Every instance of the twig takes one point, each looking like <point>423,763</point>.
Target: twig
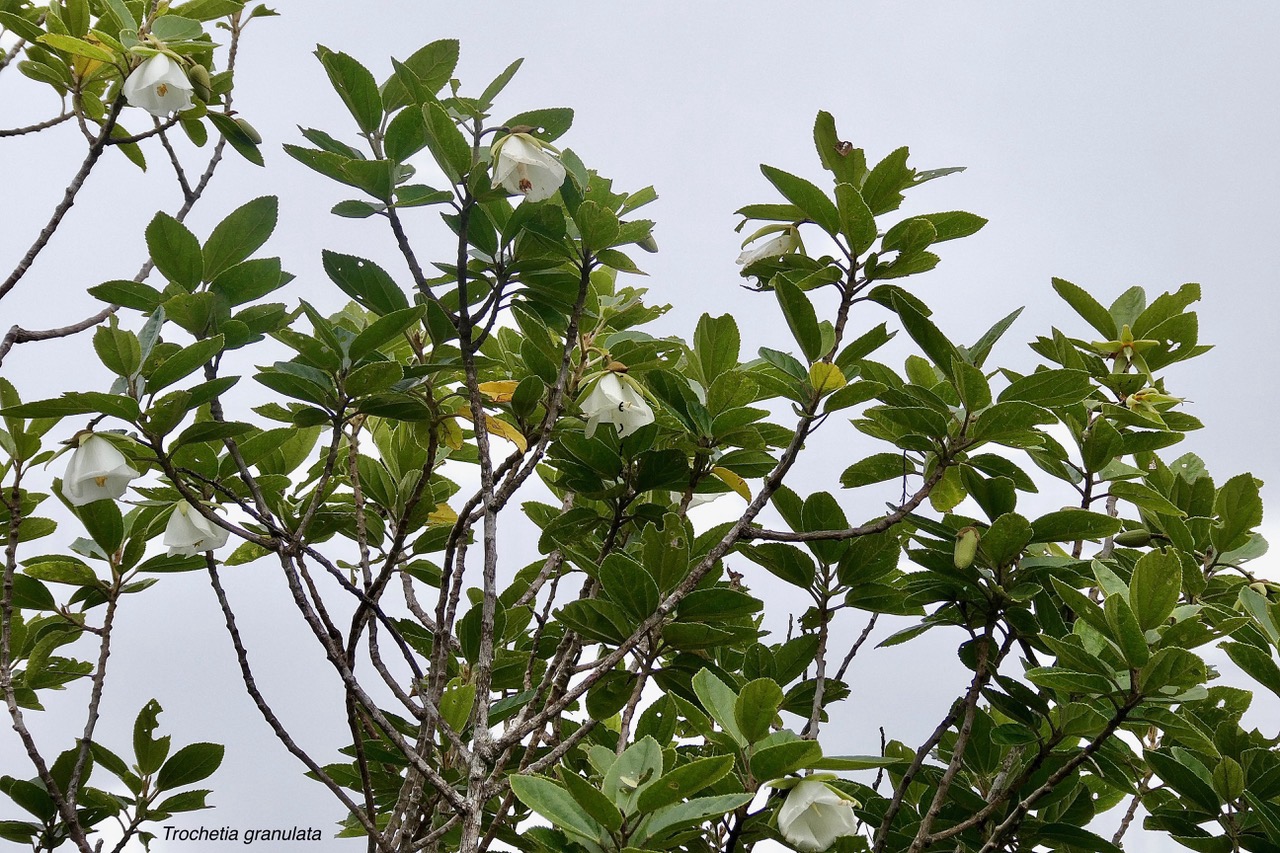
<point>38,126</point>
<point>857,644</point>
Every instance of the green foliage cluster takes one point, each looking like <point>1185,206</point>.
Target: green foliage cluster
<point>614,686</point>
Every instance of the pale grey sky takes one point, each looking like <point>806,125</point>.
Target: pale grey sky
<point>1109,144</point>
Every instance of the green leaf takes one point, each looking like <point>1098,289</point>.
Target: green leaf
<point>1257,606</point>
<point>448,147</point>
<point>1011,422</point>
<point>62,570</point>
<point>851,395</point>
<point>756,708</point>
<point>355,85</point>
<point>149,751</point>
<point>720,702</point>
<point>1126,631</point>
<point>188,765</point>
<point>551,800</point>
<point>1155,587</point>
<point>384,330</point>
<point>240,234</point>
<point>884,185</point>
<point>1069,836</point>
<point>856,222</point>
<point>941,351</point>
<point>597,225</point>
<point>909,237</point>
<point>250,280</point>
<point>77,47</point>
<point>365,282</point>
<point>785,561</point>
<point>1088,308</point>
<point>1050,388</point>
<point>638,765</point>
<point>1184,780</point>
<point>406,135</point>
<point>104,523</point>
<point>548,124</point>
<point>801,318</point>
<point>1239,509</point>
<point>689,813</point>
<point>954,224</point>
<point>597,805</point>
<point>499,83</point>
<point>779,759</point>
<point>78,403</point>
<point>1256,663</point>
<point>684,781</point>
<point>876,468</point>
<point>128,294</point>
<point>118,349</point>
<point>30,594</point>
<point>971,385</point>
<point>1071,525</point>
<point>211,431</point>
<point>431,67</point>
<point>1069,682</point>
<point>1006,538</point>
<point>175,251</point>
<point>1146,497</point>
<point>716,345</point>
<point>123,15</point>
<point>173,28</point>
<point>807,197</point>
<point>183,363</point>
<point>236,137</point>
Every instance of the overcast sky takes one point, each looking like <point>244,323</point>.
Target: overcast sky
<point>1108,144</point>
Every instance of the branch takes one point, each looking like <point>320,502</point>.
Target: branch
<point>980,678</point>
<point>251,687</point>
<point>1020,811</point>
<point>68,199</point>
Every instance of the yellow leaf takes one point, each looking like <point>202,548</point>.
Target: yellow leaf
<point>825,378</point>
<point>502,429</point>
<point>499,391</point>
<point>451,434</point>
<point>442,514</point>
<point>733,481</point>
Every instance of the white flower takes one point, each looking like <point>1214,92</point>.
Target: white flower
<point>785,243</point>
<point>814,816</point>
<point>159,86</point>
<point>613,402</point>
<point>522,165</point>
<point>189,533</point>
<point>97,471</point>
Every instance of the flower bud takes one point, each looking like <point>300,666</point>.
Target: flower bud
<point>200,83</point>
<point>966,548</point>
<point>1133,538</point>
<point>250,131</point>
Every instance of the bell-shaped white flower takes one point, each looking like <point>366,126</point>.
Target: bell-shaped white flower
<point>786,242</point>
<point>522,165</point>
<point>813,816</point>
<point>159,86</point>
<point>97,471</point>
<point>614,401</point>
<point>189,533</point>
